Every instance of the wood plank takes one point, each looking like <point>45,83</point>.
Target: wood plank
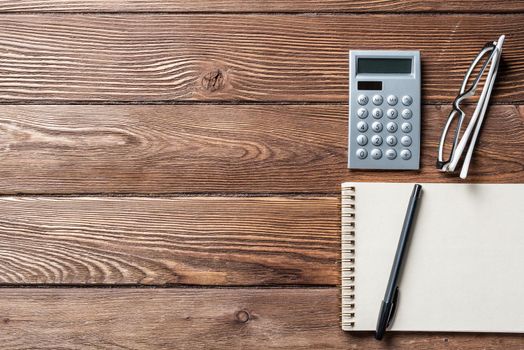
<point>201,319</point>
<point>238,57</point>
<point>219,148</point>
<point>476,6</point>
<point>160,241</point>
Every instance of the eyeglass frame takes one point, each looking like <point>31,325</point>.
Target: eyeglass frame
<point>463,94</point>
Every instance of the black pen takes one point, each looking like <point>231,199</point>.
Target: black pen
<point>389,304</point>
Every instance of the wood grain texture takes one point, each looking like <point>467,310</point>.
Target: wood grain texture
<point>261,6</point>
<point>202,319</point>
<point>159,241</point>
<point>238,57</point>
<point>216,149</point>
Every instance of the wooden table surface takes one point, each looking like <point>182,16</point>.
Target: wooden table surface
<point>170,170</point>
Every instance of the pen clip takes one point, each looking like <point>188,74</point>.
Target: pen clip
<point>393,307</point>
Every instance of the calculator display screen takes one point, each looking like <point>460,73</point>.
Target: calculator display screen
<point>384,65</point>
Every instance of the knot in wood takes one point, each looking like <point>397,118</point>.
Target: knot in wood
<point>242,316</point>
<point>213,81</point>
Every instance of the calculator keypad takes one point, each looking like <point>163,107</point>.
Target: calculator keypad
<point>379,137</point>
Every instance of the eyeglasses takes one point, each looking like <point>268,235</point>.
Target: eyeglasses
<point>489,55</point>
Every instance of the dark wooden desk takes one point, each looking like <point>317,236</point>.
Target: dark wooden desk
<point>170,170</point>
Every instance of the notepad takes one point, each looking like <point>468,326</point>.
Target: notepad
<point>464,269</point>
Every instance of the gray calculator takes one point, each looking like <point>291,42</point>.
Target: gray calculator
<point>384,110</point>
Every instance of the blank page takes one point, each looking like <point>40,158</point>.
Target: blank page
<point>464,269</point>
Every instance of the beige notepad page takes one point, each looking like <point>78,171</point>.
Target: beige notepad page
<point>464,270</point>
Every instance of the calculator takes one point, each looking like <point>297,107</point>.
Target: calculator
<point>384,110</point>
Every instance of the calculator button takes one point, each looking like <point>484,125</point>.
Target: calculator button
<point>362,126</point>
<point>392,113</point>
<point>362,153</point>
<point>376,113</point>
<point>362,113</point>
<point>406,113</point>
<point>391,140</point>
<point>407,100</point>
<point>362,140</point>
<point>405,154</point>
<point>377,100</point>
<point>392,100</point>
<point>391,127</point>
<point>362,100</point>
<point>405,141</point>
<point>406,127</point>
<point>376,140</point>
<point>376,153</point>
<point>376,126</point>
<point>391,154</point>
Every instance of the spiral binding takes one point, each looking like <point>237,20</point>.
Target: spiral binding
<point>348,257</point>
